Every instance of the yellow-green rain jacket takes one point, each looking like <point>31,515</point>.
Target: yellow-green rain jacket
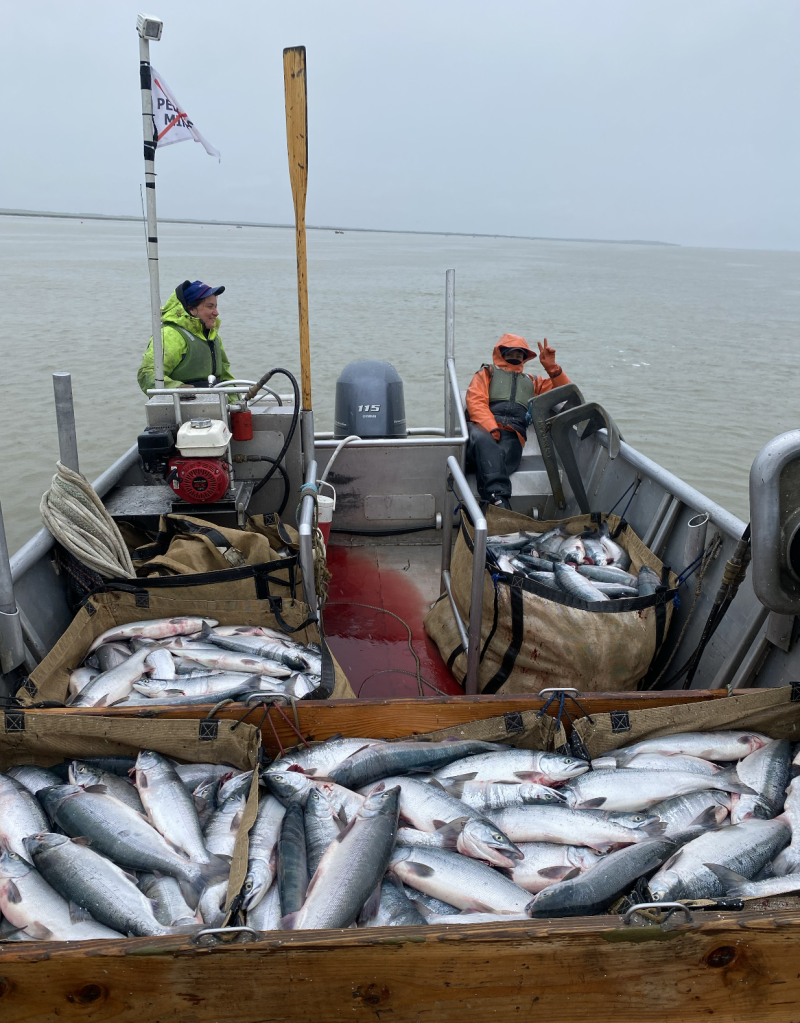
<point>189,357</point>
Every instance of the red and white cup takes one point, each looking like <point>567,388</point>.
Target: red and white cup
<point>325,509</point>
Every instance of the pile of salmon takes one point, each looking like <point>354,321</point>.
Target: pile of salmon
<point>185,661</point>
<point>589,566</point>
<point>113,847</point>
<point>356,832</point>
<point>397,833</point>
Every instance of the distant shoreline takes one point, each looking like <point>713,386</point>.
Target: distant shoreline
<point>320,227</point>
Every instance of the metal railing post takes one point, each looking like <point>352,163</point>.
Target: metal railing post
<point>306,531</point>
<point>12,647</point>
<point>65,421</point>
<point>478,573</point>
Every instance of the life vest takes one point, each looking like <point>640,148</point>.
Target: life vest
<point>203,357</point>
<point>509,394</point>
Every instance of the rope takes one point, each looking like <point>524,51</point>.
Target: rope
<point>76,517</point>
<point>382,610</point>
<point>635,483</point>
<point>322,575</point>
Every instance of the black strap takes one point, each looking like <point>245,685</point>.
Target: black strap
<point>621,525</point>
<point>452,658</point>
<point>514,647</point>
<point>325,689</point>
<point>493,629</point>
<point>663,596</point>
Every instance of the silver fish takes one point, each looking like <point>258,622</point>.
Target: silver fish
<point>170,807</point>
<point>738,887</point>
<point>529,561</point>
<point>628,790</point>
<point>110,655</point>
<point>33,778</point>
<point>595,889</point>
<point>608,574</point>
<point>492,795</point>
<point>226,660</point>
<point>162,663</point>
<point>95,884</point>
<point>615,591</point>
<point>516,765</point>
<point>289,786</point>
<point>439,839</point>
<point>171,909</point>
<point>505,565</point>
<point>87,775</point>
<point>577,585</point>
<point>428,807</point>
<point>156,628</point>
<point>222,829</point>
<point>28,902</point>
<point>392,909</point>
<point>80,677</point>
<point>376,762</point>
<point>193,775</point>
<point>572,550</point>
<point>545,578</point>
<point>322,826</point>
<point>559,824</point>
<point>545,863</point>
<point>458,880</point>
<point>617,557</point>
<point>266,914</point>
<point>698,809</point>
<point>205,800</point>
<point>659,762</point>
<point>766,771</point>
<point>255,646</point>
<point>426,904</point>
<point>445,920</point>
<point>595,550</point>
<point>110,686</point>
<point>211,906</point>
<point>353,865</point>
<point>322,756</point>
<point>730,745</point>
<point>120,833</point>
<point>262,851</point>
<point>648,581</point>
<point>788,861</point>
<point>744,848</point>
<point>20,815</point>
<point>238,782</point>
<point>510,541</point>
<point>292,873</point>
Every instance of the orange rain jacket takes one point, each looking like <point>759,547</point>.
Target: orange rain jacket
<point>478,390</point>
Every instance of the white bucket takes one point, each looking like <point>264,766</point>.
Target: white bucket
<point>325,509</point>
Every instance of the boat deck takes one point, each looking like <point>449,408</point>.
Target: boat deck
<point>374,575</point>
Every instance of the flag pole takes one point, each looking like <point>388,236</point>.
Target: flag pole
<point>150,28</point>
<point>294,79</point>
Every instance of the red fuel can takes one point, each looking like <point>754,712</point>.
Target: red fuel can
<point>242,425</point>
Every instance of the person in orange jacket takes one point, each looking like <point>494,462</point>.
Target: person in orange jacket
<point>497,404</point>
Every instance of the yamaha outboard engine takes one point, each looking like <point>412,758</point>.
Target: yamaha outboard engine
<point>369,401</point>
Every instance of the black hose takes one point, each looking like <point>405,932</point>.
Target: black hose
<point>384,532</point>
<point>295,415</point>
<point>281,470</point>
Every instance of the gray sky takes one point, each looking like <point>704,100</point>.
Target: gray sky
<point>655,119</point>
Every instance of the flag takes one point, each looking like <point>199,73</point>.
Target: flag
<point>171,120</point>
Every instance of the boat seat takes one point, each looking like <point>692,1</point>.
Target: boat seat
<point>530,484</point>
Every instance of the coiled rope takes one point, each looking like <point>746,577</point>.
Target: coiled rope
<point>78,520</point>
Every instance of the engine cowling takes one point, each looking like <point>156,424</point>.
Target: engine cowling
<point>199,480</point>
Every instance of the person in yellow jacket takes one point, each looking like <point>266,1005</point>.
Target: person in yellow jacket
<point>192,347</point>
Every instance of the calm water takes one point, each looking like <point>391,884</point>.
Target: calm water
<point>693,351</point>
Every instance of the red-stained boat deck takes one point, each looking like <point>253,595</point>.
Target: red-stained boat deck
<point>371,646</point>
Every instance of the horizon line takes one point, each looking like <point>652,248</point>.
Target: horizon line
<point>323,227</point>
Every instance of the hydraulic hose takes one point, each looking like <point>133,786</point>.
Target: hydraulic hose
<point>295,416</point>
<point>280,468</point>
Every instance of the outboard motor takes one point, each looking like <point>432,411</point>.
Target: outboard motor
<point>369,401</point>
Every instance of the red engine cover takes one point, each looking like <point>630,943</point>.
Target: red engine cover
<point>199,480</point>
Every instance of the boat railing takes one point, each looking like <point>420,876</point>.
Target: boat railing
<point>471,636</point>
<point>305,529</point>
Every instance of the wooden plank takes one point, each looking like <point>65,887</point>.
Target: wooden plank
<point>390,719</point>
<point>544,970</point>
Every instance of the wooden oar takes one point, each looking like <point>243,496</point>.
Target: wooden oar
<point>294,79</point>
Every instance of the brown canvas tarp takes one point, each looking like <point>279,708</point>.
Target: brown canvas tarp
<point>775,712</point>
<point>532,640</point>
<point>50,680</point>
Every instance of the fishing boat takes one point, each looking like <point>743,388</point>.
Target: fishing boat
<point>401,495</point>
